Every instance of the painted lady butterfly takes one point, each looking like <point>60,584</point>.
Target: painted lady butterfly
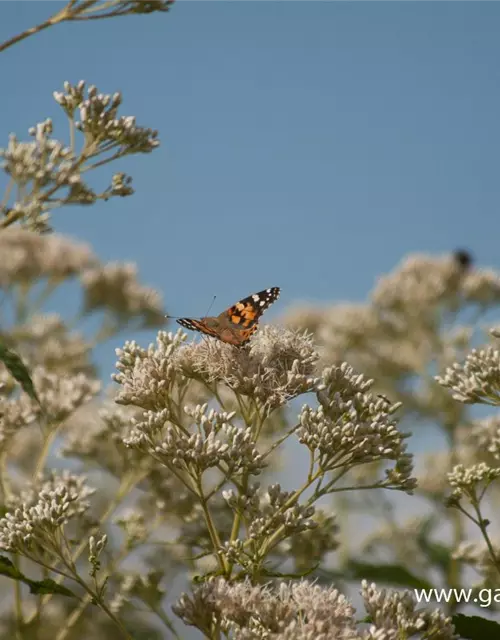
<point>237,324</point>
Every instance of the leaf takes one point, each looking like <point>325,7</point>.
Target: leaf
<point>438,554</point>
<point>18,371</point>
<point>38,587</point>
<point>290,576</point>
<point>475,627</point>
<point>392,574</point>
<point>7,568</point>
<point>41,587</point>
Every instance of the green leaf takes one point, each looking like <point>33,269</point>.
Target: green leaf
<point>38,587</point>
<point>475,627</point>
<point>438,554</point>
<point>41,587</point>
<point>392,574</point>
<point>7,568</point>
<point>329,576</point>
<point>270,573</point>
<point>18,371</point>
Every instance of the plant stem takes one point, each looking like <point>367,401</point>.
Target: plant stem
<point>6,196</point>
<point>60,16</point>
<point>126,486</point>
<point>18,602</point>
<point>212,530</point>
<point>482,526</point>
<point>48,440</point>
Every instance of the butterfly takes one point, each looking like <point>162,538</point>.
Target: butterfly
<point>237,324</point>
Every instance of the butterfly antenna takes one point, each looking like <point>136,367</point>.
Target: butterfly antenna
<point>211,305</point>
<point>169,317</point>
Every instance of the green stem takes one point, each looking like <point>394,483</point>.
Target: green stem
<point>104,161</point>
<point>274,538</point>
<point>212,531</point>
<point>73,618</point>
<point>166,621</point>
<point>127,484</point>
<point>482,526</point>
<point>72,143</point>
<point>77,613</point>
<point>100,602</point>
<point>3,477</point>
<point>6,196</point>
<point>18,602</point>
<point>60,16</point>
<point>10,218</point>
<point>42,457</point>
<point>65,14</point>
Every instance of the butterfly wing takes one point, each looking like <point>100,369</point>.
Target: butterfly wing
<point>237,324</point>
<point>245,314</point>
<point>197,325</point>
<point>244,335</point>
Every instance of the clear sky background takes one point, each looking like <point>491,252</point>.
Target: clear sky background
<point>309,145</point>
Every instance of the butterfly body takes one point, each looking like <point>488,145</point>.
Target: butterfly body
<point>237,324</point>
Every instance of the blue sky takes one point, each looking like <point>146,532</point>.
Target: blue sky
<point>309,145</point>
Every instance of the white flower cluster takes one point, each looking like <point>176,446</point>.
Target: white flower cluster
<point>28,256</point>
<point>351,427</point>
<point>477,380</point>
<point>278,365</point>
<point>305,611</point>
<point>114,287</point>
<point>30,527</point>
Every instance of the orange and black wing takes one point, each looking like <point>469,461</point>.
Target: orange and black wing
<point>246,313</point>
<point>244,335</point>
<point>237,324</point>
<point>196,325</point>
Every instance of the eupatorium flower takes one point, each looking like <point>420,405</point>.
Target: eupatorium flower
<point>278,365</point>
<point>114,287</point>
<point>351,426</point>
<point>28,256</point>
<point>305,611</point>
<point>41,511</point>
<point>477,380</point>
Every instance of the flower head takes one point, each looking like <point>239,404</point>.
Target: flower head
<point>114,287</point>
<point>477,380</point>
<point>28,256</point>
<point>352,427</point>
<point>41,510</point>
<point>278,365</point>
